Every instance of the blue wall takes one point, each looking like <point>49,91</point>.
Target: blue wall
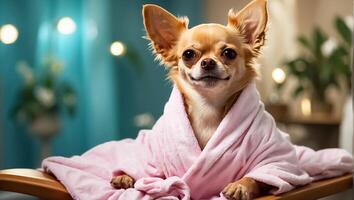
<point>111,90</point>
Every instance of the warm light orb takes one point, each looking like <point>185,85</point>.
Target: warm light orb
<point>117,48</point>
<point>306,107</point>
<point>278,75</point>
<point>66,26</point>
<point>8,34</point>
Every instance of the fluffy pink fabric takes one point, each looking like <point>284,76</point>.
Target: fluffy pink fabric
<point>168,163</point>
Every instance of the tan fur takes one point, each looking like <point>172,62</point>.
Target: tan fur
<point>204,110</point>
<point>245,189</point>
<point>123,181</point>
<point>208,101</point>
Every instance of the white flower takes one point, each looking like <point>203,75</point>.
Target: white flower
<point>144,120</point>
<point>349,21</point>
<point>26,72</point>
<point>45,96</point>
<point>328,47</point>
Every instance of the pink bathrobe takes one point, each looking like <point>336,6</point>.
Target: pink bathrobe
<point>167,162</point>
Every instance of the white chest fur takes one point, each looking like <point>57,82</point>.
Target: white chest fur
<point>204,119</point>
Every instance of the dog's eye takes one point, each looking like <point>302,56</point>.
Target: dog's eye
<point>188,54</point>
<point>229,53</point>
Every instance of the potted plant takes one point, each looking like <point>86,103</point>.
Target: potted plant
<point>40,100</point>
<point>324,64</point>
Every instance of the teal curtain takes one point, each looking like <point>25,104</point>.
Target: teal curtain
<point>111,90</point>
<point>144,92</point>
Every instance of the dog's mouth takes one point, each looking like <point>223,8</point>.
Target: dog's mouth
<point>209,78</point>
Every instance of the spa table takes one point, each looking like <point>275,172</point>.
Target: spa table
<point>45,186</point>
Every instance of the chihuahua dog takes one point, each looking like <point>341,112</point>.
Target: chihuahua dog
<point>210,64</point>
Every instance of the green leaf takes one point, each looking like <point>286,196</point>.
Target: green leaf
<point>326,73</point>
<point>335,83</point>
<point>305,42</point>
<point>300,68</point>
<point>298,91</point>
<point>343,30</point>
<point>319,38</point>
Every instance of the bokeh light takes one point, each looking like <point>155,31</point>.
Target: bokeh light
<point>8,34</point>
<point>278,75</point>
<point>66,26</point>
<point>117,48</point>
<point>306,107</point>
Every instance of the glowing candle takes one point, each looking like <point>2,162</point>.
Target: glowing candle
<point>306,107</point>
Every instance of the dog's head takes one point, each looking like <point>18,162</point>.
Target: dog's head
<point>209,59</point>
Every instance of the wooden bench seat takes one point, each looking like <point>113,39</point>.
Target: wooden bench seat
<point>44,186</point>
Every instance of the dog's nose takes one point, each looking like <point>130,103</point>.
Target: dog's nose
<point>208,64</point>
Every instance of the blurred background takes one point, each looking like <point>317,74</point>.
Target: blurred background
<point>74,74</point>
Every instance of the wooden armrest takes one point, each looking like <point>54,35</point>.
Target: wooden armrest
<point>42,185</point>
<point>32,182</point>
<point>316,190</point>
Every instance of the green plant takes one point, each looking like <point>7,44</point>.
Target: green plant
<point>43,94</point>
<point>324,64</point>
<point>344,59</point>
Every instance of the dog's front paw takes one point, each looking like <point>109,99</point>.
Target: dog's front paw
<point>237,191</point>
<point>122,182</point>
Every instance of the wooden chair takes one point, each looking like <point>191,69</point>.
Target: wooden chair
<point>45,186</point>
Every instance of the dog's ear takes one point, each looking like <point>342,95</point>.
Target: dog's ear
<point>164,30</point>
<point>251,22</point>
